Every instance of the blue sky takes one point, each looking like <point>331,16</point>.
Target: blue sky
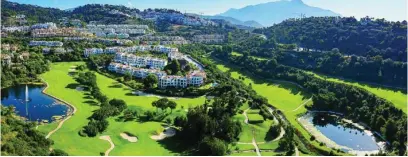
<point>388,9</point>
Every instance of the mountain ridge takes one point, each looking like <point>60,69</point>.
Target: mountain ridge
<point>274,12</point>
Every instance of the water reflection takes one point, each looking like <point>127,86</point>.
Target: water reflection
<point>40,106</point>
<point>343,133</point>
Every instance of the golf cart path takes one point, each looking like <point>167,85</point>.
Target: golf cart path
<point>68,117</point>
<point>302,104</point>
<point>107,138</point>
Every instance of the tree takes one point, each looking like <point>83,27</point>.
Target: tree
<point>91,130</point>
<point>127,76</point>
<point>150,81</point>
<point>129,114</point>
<point>212,146</point>
<point>119,104</point>
<point>58,152</point>
<point>172,105</point>
<point>174,67</point>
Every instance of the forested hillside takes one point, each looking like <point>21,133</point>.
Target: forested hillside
<point>334,62</point>
<point>20,138</point>
<point>33,13</point>
<point>366,37</point>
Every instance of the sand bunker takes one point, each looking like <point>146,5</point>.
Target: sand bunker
<point>128,137</point>
<point>168,132</point>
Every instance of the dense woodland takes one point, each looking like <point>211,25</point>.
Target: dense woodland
<point>20,138</point>
<point>366,37</point>
<point>355,103</point>
<point>374,69</point>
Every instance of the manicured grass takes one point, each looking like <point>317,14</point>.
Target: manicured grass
<point>398,98</point>
<point>255,117</point>
<point>284,96</point>
<point>244,154</point>
<point>272,145</point>
<point>63,86</point>
<point>253,111</point>
<point>67,138</point>
<point>272,153</point>
<point>113,89</point>
<point>244,147</point>
<point>145,146</point>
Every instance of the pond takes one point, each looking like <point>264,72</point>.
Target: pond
<point>343,133</point>
<point>39,106</point>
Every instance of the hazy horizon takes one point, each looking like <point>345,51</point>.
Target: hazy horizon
<point>396,11</point>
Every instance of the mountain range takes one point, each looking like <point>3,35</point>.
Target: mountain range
<point>267,14</point>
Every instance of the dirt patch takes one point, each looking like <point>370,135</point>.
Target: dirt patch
<point>128,137</point>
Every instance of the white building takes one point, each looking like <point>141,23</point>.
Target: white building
<point>48,25</point>
<point>196,78</point>
<point>172,81</point>
<point>92,51</point>
<point>136,72</point>
<point>140,61</point>
<point>46,43</point>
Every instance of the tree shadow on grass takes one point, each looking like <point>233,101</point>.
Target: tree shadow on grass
<point>116,85</point>
<point>175,145</point>
<point>130,94</point>
<point>72,85</point>
<point>87,97</point>
<point>91,102</point>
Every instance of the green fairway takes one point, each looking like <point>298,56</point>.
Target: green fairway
<point>398,98</point>
<point>244,154</point>
<point>284,96</point>
<point>113,89</point>
<point>66,138</point>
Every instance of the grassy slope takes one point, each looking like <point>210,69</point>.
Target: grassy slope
<point>67,137</point>
<point>398,98</point>
<point>284,96</point>
<point>145,145</point>
<point>114,89</point>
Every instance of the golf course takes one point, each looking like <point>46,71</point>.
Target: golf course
<point>63,86</point>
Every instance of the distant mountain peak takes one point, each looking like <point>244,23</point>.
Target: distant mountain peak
<point>274,12</point>
<point>297,1</point>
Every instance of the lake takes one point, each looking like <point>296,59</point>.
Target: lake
<point>39,107</point>
<point>345,134</point>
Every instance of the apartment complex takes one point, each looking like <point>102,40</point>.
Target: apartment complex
<point>141,48</point>
<point>115,31</point>
<point>134,71</point>
<point>48,25</point>
<point>209,39</point>
<point>194,78</point>
<point>46,43</point>
<point>162,40</point>
<point>140,61</point>
<point>56,32</point>
<point>16,29</point>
